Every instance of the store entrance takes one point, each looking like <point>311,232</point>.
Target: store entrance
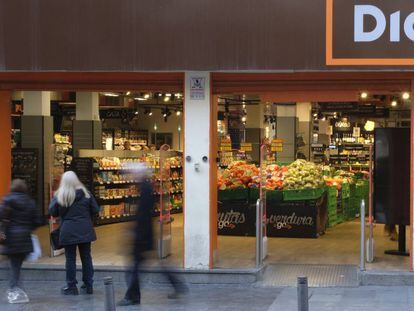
<point>316,167</point>
<point>137,126</point>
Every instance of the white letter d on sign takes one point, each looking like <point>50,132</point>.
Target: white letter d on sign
<point>359,34</point>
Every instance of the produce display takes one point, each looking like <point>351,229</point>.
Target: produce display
<point>274,176</point>
<point>302,174</point>
<point>239,174</point>
<point>338,178</point>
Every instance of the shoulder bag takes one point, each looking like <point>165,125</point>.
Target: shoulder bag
<point>55,234</point>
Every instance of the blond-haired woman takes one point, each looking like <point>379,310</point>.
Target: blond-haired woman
<point>76,207</point>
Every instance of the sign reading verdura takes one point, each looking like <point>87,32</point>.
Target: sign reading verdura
<point>368,32</point>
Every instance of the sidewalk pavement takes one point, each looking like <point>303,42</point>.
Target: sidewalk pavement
<point>46,296</point>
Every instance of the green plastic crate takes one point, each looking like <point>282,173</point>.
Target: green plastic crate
<point>303,194</point>
<point>254,194</point>
<point>233,194</point>
<point>346,191</point>
<point>274,196</point>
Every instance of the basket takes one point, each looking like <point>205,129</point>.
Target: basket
<point>303,194</point>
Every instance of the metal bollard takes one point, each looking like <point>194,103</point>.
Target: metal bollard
<point>303,301</point>
<point>362,254</point>
<point>109,294</point>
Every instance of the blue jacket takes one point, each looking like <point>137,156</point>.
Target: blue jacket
<point>23,216</point>
<point>77,224</point>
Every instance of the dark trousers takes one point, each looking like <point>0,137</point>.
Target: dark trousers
<point>134,292</point>
<point>16,261</point>
<point>87,266</point>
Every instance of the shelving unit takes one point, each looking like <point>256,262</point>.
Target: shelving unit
<point>107,175</point>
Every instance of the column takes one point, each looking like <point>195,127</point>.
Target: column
<point>255,129</point>
<point>303,113</point>
<point>5,147</point>
<point>37,133</point>
<point>198,141</point>
<point>87,128</point>
<point>286,130</point>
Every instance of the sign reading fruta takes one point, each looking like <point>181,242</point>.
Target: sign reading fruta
<point>363,12</point>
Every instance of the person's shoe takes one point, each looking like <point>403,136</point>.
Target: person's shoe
<point>69,290</point>
<point>127,302</point>
<point>88,290</point>
<point>17,295</point>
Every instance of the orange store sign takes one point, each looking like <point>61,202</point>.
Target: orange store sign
<point>369,32</point>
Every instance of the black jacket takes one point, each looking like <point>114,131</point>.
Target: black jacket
<point>143,239</point>
<point>24,217</point>
<point>77,223</point>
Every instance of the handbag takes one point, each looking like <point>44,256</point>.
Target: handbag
<point>55,234</point>
<point>37,250</point>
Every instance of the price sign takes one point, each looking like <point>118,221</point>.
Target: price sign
<point>225,147</point>
<point>277,145</point>
<point>246,147</point>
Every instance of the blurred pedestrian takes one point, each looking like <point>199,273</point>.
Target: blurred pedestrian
<point>76,208</point>
<point>143,239</point>
<point>19,217</point>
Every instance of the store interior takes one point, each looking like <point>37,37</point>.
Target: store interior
<point>311,163</point>
<point>132,127</point>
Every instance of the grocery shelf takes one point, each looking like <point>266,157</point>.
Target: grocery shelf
<point>114,200</point>
<point>114,219</point>
<point>110,183</point>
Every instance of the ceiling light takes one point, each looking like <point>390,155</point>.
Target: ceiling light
<point>140,98</point>
<point>150,113</point>
<point>128,93</point>
<point>178,113</point>
<point>178,95</point>
<point>179,128</point>
<point>111,94</point>
<point>406,95</point>
<point>364,95</point>
<point>136,112</point>
<point>394,103</point>
<point>168,94</point>
<point>155,127</point>
<point>166,98</point>
<point>369,126</point>
<point>146,96</point>
<point>244,119</point>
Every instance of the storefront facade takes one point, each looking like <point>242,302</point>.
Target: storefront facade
<point>286,50</point>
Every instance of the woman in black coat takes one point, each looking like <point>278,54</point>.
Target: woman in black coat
<point>76,208</point>
<point>19,216</point>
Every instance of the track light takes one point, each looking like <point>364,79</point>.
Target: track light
<point>406,95</point>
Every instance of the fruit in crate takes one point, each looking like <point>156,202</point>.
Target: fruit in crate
<point>274,176</point>
<point>302,174</point>
<point>239,174</point>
